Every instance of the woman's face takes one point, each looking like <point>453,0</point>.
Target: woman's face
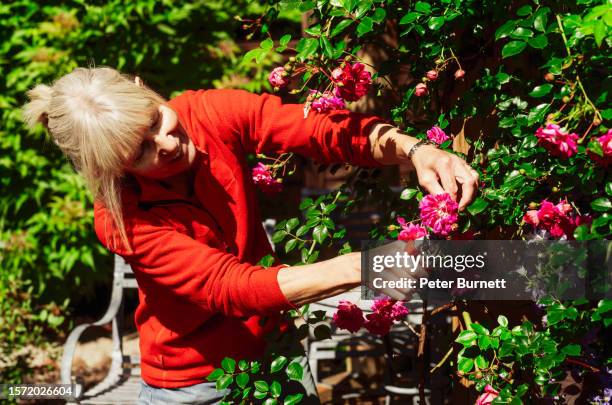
<point>165,151</point>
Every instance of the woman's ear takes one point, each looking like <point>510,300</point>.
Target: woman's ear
<point>138,81</point>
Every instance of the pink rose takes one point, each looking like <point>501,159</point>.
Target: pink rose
<point>349,316</point>
<point>352,81</point>
<point>410,231</point>
<point>487,396</point>
<point>459,74</point>
<point>555,219</point>
<point>420,90</point>
<point>531,217</point>
<point>437,135</point>
<point>439,212</point>
<point>557,141</point>
<point>264,180</point>
<point>394,310</point>
<point>378,323</point>
<point>323,102</point>
<point>278,77</point>
<point>606,146</point>
<point>432,75</point>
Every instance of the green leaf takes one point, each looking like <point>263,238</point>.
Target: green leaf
<point>366,25</point>
<point>307,47</point>
<point>261,386</point>
<point>601,204</point>
<point>315,30</point>
<point>505,29</point>
<point>242,380</point>
<point>224,381</point>
<point>278,364</point>
<point>267,44</point>
<point>503,321</point>
<point>609,188</point>
<point>541,90</point>
<point>541,379</point>
<point>540,19</point>
<point>301,230</point>
<point>270,401</point>
<point>293,399</point>
<point>328,49</point>
<point>477,206</point>
<point>522,33</point>
<point>572,350</point>
<point>581,232</point>
<point>409,18</point>
<point>502,77</point>
<point>260,394</point>
<point>539,42</point>
<point>342,25</point>
<point>275,389</point>
<point>295,371</point>
<point>513,48</point>
<point>214,376</point>
<point>292,223</point>
<point>279,236</point>
<point>595,147</point>
<point>408,193</point>
<point>290,245</point>
<point>481,362</point>
<point>329,208</point>
<point>379,15</point>
<point>484,342</point>
<point>320,233</point>
<point>435,23</point>
<point>422,7</point>
<point>465,364</point>
<point>524,11</point>
<point>481,330</point>
<point>284,40</point>
<point>599,31</point>
<point>228,364</point>
<point>466,337</point>
<point>253,54</point>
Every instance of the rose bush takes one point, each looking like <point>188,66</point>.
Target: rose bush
<point>523,90</point>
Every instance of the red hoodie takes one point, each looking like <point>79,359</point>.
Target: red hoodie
<point>201,296</point>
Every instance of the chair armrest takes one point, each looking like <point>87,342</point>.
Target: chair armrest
<point>73,338</point>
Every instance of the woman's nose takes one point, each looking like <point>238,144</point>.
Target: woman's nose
<point>166,145</point>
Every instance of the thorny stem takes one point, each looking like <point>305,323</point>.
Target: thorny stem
<point>421,352</point>
<point>441,362</point>
<point>454,57</point>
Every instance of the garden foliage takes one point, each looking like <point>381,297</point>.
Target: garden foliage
<point>48,250</point>
<point>521,91</point>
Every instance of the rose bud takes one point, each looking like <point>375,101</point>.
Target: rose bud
<point>432,74</point>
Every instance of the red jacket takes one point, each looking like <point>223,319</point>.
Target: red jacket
<point>201,296</point>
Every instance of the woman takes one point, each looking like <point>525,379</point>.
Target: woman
<point>173,196</point>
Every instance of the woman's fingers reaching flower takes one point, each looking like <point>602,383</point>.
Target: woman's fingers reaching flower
<point>439,172</point>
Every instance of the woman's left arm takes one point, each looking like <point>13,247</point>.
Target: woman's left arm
<point>438,171</point>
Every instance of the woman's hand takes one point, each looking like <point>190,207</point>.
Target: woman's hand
<point>439,171</point>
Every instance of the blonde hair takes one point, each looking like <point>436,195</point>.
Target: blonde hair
<point>97,117</point>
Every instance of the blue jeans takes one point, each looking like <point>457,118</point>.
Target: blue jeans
<point>200,394</point>
<point>207,394</point>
